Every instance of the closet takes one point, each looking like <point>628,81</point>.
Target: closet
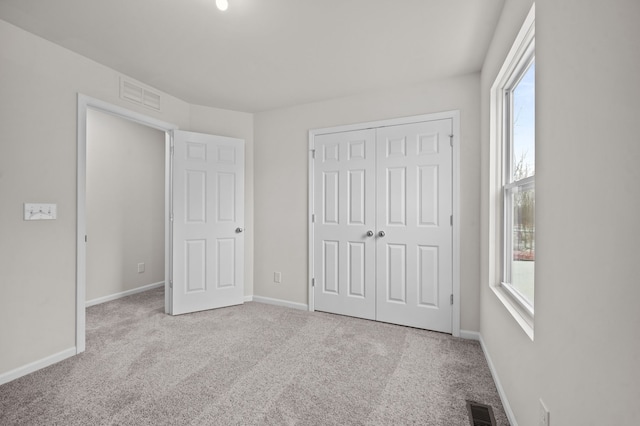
<point>382,224</point>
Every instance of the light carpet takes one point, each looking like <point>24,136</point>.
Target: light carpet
<point>253,364</point>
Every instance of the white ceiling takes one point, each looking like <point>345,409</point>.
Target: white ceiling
<point>266,54</point>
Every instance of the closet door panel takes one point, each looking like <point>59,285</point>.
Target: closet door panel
<point>414,239</point>
<point>344,205</point>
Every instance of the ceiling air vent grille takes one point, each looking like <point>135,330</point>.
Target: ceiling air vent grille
<point>138,94</point>
<point>480,414</point>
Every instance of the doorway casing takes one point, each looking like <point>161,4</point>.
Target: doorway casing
<point>455,140</point>
<point>85,103</point>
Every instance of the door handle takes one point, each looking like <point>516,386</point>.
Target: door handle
<point>239,230</point>
<point>369,233</point>
<point>381,234</point>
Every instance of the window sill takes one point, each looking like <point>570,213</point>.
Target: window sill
<point>523,318</point>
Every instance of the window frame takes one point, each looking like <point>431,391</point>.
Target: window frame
<point>515,66</point>
<point>509,186</point>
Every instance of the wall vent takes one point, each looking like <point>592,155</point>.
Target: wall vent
<point>480,414</point>
<point>135,93</point>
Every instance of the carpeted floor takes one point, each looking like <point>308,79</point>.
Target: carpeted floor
<point>252,364</point>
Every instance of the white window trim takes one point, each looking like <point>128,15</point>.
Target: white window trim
<point>522,50</point>
<point>528,182</point>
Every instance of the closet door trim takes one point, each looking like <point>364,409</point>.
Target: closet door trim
<point>455,140</point>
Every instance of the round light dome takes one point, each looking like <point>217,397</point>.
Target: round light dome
<point>222,4</point>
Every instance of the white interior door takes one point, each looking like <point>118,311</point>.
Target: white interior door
<point>414,240</point>
<point>344,176</point>
<point>208,220</point>
<point>395,181</point>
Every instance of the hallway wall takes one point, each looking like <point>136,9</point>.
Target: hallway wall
<point>125,205</point>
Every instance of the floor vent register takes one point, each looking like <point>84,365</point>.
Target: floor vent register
<point>480,414</point>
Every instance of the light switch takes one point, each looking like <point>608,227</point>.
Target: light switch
<point>39,211</point>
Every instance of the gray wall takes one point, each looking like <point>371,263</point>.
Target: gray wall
<point>125,204</point>
<point>583,361</point>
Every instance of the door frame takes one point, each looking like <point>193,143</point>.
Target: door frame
<point>84,103</point>
<point>454,116</point>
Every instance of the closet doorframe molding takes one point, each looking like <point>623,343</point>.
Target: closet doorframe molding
<point>453,115</point>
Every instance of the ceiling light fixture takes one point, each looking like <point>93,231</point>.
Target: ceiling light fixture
<point>222,4</point>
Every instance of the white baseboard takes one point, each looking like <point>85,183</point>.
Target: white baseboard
<point>122,294</point>
<point>248,298</point>
<point>503,396</point>
<point>279,302</point>
<point>36,365</point>
<point>470,335</point>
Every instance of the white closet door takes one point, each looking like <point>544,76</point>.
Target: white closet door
<point>344,179</point>
<point>414,240</point>
<point>208,220</point>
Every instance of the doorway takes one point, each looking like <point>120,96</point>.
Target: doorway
<point>124,207</point>
<point>86,103</point>
<point>203,215</point>
<point>383,226</point>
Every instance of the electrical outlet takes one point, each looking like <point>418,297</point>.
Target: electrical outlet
<point>277,277</point>
<point>543,415</point>
<point>140,268</point>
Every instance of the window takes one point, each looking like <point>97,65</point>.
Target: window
<point>512,176</point>
<point>519,197</point>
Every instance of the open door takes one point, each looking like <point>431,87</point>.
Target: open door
<point>207,222</point>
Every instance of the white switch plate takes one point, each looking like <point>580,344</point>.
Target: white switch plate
<point>543,415</point>
<point>277,277</point>
<point>40,211</point>
<point>140,268</point>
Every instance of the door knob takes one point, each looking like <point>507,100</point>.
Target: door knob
<point>369,233</point>
<point>239,230</point>
<point>381,234</point>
